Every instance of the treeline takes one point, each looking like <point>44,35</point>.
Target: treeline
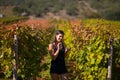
<point>40,7</point>
<point>105,8</point>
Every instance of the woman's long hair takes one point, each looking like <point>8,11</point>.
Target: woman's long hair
<point>57,32</point>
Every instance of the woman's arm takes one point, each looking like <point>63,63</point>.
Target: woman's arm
<point>51,51</point>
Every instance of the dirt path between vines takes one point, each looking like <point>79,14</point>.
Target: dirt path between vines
<point>33,23</point>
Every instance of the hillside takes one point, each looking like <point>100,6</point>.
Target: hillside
<point>62,8</point>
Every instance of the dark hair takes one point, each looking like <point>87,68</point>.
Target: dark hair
<point>57,32</point>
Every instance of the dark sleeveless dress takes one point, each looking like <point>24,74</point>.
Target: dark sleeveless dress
<point>58,65</point>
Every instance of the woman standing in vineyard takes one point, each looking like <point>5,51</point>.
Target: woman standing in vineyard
<point>57,51</point>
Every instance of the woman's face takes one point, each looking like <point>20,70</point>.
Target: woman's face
<point>59,37</point>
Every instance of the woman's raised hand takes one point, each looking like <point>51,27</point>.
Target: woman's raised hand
<point>59,46</point>
<point>67,49</point>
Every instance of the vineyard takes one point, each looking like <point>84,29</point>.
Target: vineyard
<point>89,40</point>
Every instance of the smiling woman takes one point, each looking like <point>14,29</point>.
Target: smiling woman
<point>57,51</point>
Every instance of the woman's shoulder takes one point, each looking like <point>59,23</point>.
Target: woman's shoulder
<point>51,45</point>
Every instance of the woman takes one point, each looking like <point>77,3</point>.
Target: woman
<point>57,51</point>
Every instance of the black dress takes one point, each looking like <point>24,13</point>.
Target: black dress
<point>58,65</point>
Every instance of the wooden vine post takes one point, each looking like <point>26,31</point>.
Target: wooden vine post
<point>15,64</point>
<point>109,76</point>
